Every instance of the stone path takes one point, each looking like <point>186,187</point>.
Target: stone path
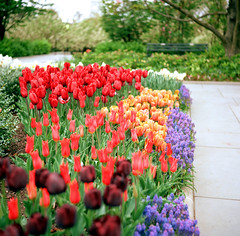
<point>52,57</point>
<point>216,114</point>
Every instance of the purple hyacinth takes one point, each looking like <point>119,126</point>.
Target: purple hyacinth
<point>181,135</point>
<point>185,99</point>
<point>167,219</point>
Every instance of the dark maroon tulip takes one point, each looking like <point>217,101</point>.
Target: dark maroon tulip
<point>106,226</point>
<point>66,216</point>
<point>4,166</point>
<point>37,224</point>
<point>87,174</point>
<point>17,178</point>
<point>55,183</point>
<point>14,230</point>
<point>41,177</point>
<point>2,233</point>
<point>120,180</point>
<point>93,199</point>
<point>124,167</point>
<point>112,195</point>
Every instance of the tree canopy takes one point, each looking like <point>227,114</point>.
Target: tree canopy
<point>13,12</point>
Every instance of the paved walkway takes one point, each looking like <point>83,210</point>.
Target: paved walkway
<point>216,114</point>
<point>52,57</point>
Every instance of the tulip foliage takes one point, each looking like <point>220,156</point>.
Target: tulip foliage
<point>95,147</point>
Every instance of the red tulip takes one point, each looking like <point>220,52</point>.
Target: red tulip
<point>74,192</point>
<point>74,141</point>
<point>138,85</point>
<point>40,104</point>
<point>33,123</point>
<point>55,133</point>
<point>145,161</point>
<point>93,152</point>
<point>13,209</point>
<point>115,138</point>
<point>153,170</point>
<point>72,126</point>
<point>54,116</point>
<point>33,97</point>
<point>81,130</point>
<point>30,144</point>
<point>70,113</point>
<point>65,172</point>
<point>117,84</point>
<point>45,199</point>
<point>164,165</point>
<point>82,102</point>
<point>107,127</point>
<point>64,93</point>
<point>133,116</point>
<point>53,101</point>
<point>162,156</point>
<point>65,148</point>
<point>169,150</point>
<point>77,163</point>
<point>109,147</point>
<point>45,148</point>
<point>38,128</point>
<point>149,145</point>
<point>88,186</point>
<point>145,74</point>
<point>45,119</point>
<point>134,135</point>
<point>37,162</point>
<point>121,132</point>
<point>96,102</point>
<point>137,163</point>
<point>107,174</point>
<point>31,106</point>
<point>174,165</point>
<point>31,186</point>
<point>24,92</point>
<point>102,155</point>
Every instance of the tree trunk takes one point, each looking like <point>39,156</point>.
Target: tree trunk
<point>232,43</point>
<point>2,30</point>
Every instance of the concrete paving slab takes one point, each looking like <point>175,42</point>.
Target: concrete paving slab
<point>217,217</point>
<point>221,140</point>
<point>216,173</point>
<point>236,111</point>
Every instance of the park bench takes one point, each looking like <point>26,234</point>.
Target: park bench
<point>175,48</point>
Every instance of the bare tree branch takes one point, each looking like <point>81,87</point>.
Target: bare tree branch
<point>165,15</point>
<point>213,13</point>
<point>196,20</point>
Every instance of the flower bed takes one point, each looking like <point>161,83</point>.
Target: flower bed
<point>99,141</point>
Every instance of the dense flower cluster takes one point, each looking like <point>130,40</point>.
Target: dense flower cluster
<point>186,100</point>
<point>168,75</point>
<point>167,219</point>
<point>181,135</point>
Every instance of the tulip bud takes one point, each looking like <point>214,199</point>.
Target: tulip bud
<point>4,166</point>
<point>37,224</point>
<point>124,167</point>
<point>66,216</point>
<point>41,176</point>
<point>88,174</point>
<point>13,230</point>
<point>17,178</point>
<point>120,181</point>
<point>112,195</point>
<point>55,184</point>
<point>93,199</point>
<point>13,209</point>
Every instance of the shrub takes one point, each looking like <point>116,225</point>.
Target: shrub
<point>19,48</point>
<point>118,45</point>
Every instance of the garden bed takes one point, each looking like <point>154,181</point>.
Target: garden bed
<point>122,143</point>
